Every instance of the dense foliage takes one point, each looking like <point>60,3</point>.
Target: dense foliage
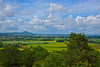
<point>8,56</point>
<point>1,44</point>
<point>78,54</point>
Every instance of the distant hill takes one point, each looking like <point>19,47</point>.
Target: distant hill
<point>24,33</point>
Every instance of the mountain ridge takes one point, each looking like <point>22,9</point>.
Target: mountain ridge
<point>24,33</point>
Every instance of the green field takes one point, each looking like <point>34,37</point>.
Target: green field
<point>51,45</point>
<point>28,42</point>
<point>95,39</point>
<point>95,46</point>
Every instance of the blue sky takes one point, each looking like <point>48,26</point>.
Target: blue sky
<point>50,16</point>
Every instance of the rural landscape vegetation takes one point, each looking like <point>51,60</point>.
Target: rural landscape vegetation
<point>30,50</point>
<point>49,33</point>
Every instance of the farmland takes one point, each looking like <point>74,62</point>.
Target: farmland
<point>50,45</point>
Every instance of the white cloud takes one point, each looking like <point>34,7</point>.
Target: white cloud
<point>55,8</point>
<point>9,11</point>
<point>90,24</point>
<point>80,19</point>
<point>36,20</point>
<point>54,18</point>
<point>60,27</point>
<point>8,25</point>
<point>26,12</point>
<point>54,22</point>
<point>5,11</point>
<point>20,20</point>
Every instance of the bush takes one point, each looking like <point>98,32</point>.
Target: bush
<point>1,44</point>
<point>31,47</point>
<point>45,42</point>
<point>40,53</point>
<point>60,40</point>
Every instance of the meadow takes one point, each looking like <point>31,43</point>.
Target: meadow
<point>50,45</point>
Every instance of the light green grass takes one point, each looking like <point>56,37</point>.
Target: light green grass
<point>2,48</point>
<point>28,42</point>
<point>92,44</point>
<point>98,50</point>
<point>95,39</point>
<point>51,46</point>
<point>59,46</point>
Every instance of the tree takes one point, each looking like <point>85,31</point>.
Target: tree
<point>53,60</point>
<point>60,40</point>
<point>1,44</point>
<point>40,53</point>
<point>79,42</point>
<point>8,56</point>
<point>26,58</point>
<point>79,53</point>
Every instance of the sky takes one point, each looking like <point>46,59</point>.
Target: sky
<point>50,16</point>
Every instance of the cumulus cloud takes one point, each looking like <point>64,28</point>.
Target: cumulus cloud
<point>26,12</point>
<point>20,20</point>
<point>54,19</point>
<point>90,24</point>
<point>60,27</point>
<point>5,11</point>
<point>35,20</point>
<point>8,25</point>
<point>54,23</point>
<point>50,23</point>
<point>55,8</point>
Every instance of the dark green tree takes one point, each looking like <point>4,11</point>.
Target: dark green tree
<point>1,44</point>
<point>78,42</point>
<point>40,53</point>
<point>26,58</point>
<point>55,59</point>
<point>8,56</point>
<point>79,53</point>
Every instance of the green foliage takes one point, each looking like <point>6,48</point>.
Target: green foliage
<point>40,53</point>
<point>45,39</point>
<point>31,47</point>
<point>16,45</point>
<point>26,58</point>
<point>53,60</point>
<point>46,42</point>
<point>78,41</point>
<point>8,56</point>
<point>1,44</point>
<point>60,40</point>
<point>79,53</point>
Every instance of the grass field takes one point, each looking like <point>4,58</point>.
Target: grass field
<point>95,46</point>
<point>95,39</point>
<point>59,46</point>
<point>51,46</point>
<point>28,42</point>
